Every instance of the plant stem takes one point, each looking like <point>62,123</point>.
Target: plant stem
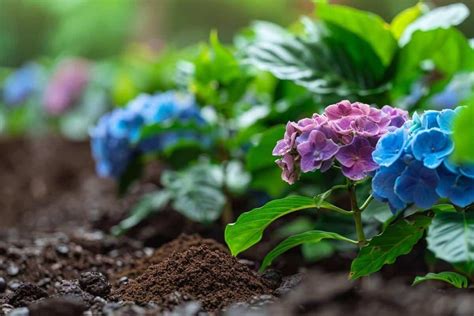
<point>356,212</point>
<point>366,203</point>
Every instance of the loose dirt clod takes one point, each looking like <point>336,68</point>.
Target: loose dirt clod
<point>210,276</point>
<point>180,244</point>
<point>95,283</point>
<point>25,294</point>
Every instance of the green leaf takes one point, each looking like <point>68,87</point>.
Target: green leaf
<point>324,61</point>
<point>315,252</point>
<point>313,236</point>
<point>453,278</point>
<point>197,191</point>
<point>149,204</point>
<point>462,136</point>
<point>442,17</point>
<point>405,18</point>
<point>249,227</point>
<point>396,240</point>
<point>260,156</point>
<point>451,237</point>
<point>365,25</point>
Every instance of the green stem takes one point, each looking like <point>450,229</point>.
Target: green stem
<point>366,203</point>
<point>356,212</point>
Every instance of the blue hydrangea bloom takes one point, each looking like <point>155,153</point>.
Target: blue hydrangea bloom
<point>21,84</point>
<point>111,142</point>
<point>456,187</point>
<point>432,146</point>
<point>116,140</point>
<point>418,168</point>
<point>383,185</point>
<point>390,148</point>
<point>417,184</point>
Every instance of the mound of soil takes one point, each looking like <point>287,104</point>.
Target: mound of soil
<point>180,244</point>
<point>210,276</point>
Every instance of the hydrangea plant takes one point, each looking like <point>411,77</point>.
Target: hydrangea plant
<point>117,140</point>
<point>410,162</point>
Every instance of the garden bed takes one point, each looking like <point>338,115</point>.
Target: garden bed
<point>56,256</point>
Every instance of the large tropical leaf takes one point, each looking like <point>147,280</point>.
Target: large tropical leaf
<point>453,278</point>
<point>328,59</point>
<point>396,240</point>
<point>365,25</point>
<point>313,236</point>
<point>451,237</point>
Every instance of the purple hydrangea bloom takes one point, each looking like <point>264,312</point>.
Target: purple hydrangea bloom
<point>288,164</point>
<point>345,133</point>
<point>356,159</point>
<point>316,150</point>
<point>424,146</point>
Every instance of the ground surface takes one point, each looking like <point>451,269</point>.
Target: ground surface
<point>57,258</point>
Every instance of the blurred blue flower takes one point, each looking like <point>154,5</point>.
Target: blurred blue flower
<point>116,138</point>
<point>458,188</point>
<point>432,147</point>
<point>390,147</point>
<point>457,91</point>
<point>21,84</point>
<point>417,184</point>
<point>111,142</point>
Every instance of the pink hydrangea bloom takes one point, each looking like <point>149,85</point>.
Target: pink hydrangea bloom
<point>345,133</point>
<point>66,85</point>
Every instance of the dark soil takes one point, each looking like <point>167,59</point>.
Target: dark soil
<point>210,276</point>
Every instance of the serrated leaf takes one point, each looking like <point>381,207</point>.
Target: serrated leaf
<point>396,240</point>
<point>249,227</point>
<point>366,25</point>
<point>260,156</point>
<point>442,17</point>
<point>313,236</point>
<point>148,204</point>
<point>453,278</point>
<point>451,237</point>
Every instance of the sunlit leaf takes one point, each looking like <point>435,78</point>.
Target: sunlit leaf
<point>249,227</point>
<point>405,18</point>
<point>463,135</point>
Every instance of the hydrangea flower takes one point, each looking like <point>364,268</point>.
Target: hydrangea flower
<point>417,166</point>
<point>66,85</point>
<point>345,133</point>
<point>21,84</point>
<point>115,139</point>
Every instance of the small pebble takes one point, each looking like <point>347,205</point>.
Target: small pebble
<point>3,285</point>
<point>13,270</point>
<point>13,285</point>
<point>62,249</point>
<point>123,280</point>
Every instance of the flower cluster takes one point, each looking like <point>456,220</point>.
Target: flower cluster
<point>346,132</point>
<point>66,85</point>
<point>116,138</point>
<point>416,166</point>
<point>21,84</point>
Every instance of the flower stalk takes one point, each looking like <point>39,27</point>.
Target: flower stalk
<point>357,214</point>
